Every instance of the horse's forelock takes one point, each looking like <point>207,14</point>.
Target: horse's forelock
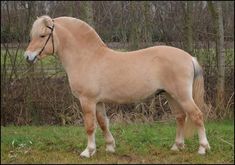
<point>40,25</point>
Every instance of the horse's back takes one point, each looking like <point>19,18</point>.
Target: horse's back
<point>163,51</point>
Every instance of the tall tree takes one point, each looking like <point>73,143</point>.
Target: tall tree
<point>188,13</point>
<point>220,56</point>
<point>217,15</point>
<point>135,28</point>
<point>147,24</point>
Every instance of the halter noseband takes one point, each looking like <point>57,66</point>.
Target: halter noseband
<point>50,35</point>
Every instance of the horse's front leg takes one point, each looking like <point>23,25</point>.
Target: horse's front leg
<point>89,116</point>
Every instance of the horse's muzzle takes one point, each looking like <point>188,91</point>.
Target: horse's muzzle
<point>30,57</point>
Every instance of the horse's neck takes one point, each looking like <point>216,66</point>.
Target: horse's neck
<point>75,49</point>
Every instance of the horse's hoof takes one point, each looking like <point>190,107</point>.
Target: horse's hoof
<point>174,148</point>
<point>177,146</point>
<point>110,148</point>
<point>87,154</point>
<point>202,149</point>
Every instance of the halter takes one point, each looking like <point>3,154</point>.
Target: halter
<point>50,35</point>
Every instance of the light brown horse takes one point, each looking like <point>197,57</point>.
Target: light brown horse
<point>98,74</point>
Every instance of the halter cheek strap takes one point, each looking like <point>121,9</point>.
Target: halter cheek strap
<point>50,35</point>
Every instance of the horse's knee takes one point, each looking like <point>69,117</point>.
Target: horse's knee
<point>180,118</point>
<point>90,127</point>
<point>89,121</point>
<point>90,130</point>
<point>89,116</point>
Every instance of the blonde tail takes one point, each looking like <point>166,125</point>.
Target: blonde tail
<point>198,96</point>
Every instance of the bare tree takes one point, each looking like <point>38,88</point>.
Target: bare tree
<point>216,11</point>
<point>221,57</point>
<point>188,13</point>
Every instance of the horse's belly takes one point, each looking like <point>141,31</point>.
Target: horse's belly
<point>130,93</point>
<point>130,81</point>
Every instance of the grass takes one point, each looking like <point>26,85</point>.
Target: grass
<point>135,143</point>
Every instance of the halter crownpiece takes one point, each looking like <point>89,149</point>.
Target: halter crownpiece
<point>50,35</point>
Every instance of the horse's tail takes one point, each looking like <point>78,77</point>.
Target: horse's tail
<point>198,96</point>
<point>198,87</point>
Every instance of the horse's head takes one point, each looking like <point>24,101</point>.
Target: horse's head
<point>43,39</point>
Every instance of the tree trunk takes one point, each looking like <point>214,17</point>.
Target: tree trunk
<point>188,7</point>
<point>217,15</point>
<point>220,56</point>
<point>147,29</point>
<point>134,27</point>
<point>123,23</point>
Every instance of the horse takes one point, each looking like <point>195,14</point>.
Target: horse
<point>98,75</point>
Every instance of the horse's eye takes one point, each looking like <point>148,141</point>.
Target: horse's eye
<point>42,36</point>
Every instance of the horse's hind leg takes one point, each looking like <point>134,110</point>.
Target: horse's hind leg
<point>196,116</point>
<point>180,121</point>
<point>104,125</point>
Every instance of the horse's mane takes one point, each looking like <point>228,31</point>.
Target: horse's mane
<point>83,30</point>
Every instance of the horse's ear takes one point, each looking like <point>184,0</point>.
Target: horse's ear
<point>48,21</point>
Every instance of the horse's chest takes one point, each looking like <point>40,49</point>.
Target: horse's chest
<point>81,86</point>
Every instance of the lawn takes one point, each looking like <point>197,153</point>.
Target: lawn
<point>135,143</point>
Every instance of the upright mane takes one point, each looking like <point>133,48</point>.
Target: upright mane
<point>81,30</point>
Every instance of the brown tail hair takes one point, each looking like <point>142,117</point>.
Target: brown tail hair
<point>198,96</point>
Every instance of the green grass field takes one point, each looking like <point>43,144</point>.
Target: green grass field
<point>136,143</point>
